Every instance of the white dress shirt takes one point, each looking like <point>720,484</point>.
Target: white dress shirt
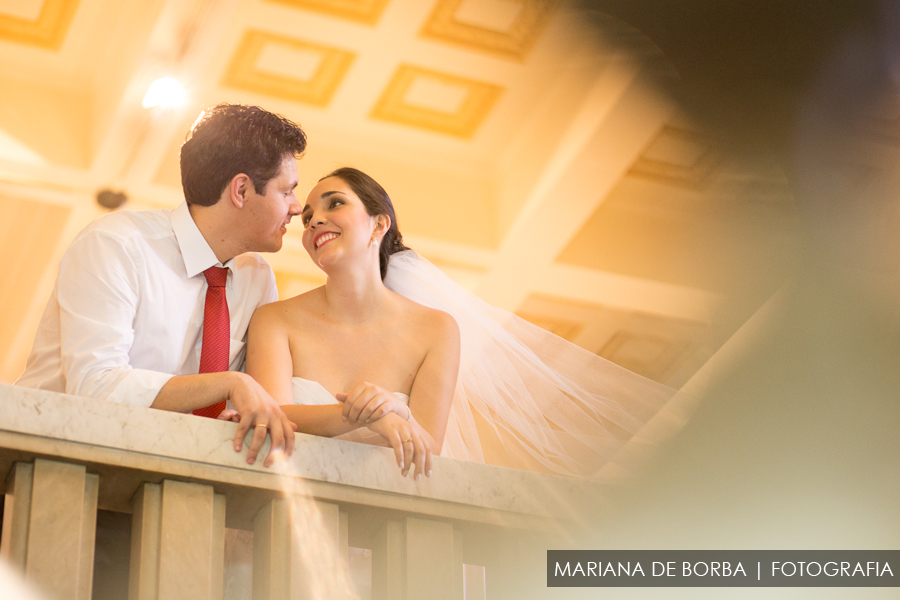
<point>126,313</point>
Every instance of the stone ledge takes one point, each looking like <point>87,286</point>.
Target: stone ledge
<point>127,445</point>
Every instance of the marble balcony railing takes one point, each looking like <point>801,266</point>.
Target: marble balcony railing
<point>63,458</point>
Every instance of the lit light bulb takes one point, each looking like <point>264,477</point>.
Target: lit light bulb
<point>165,92</point>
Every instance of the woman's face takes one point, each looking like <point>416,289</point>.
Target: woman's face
<point>336,223</point>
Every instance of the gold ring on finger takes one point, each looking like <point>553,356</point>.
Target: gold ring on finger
<point>407,440</point>
<point>261,425</point>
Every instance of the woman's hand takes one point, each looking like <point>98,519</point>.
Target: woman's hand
<point>229,414</point>
<point>412,444</point>
<point>368,402</point>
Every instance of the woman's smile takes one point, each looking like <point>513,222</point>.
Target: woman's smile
<point>324,237</point>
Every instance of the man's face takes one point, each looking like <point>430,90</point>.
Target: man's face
<point>268,215</point>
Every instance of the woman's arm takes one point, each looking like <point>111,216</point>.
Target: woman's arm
<point>269,362</point>
<point>415,441</point>
<point>432,391</point>
<point>268,352</point>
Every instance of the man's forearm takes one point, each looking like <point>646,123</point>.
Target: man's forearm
<point>184,393</point>
<point>257,409</point>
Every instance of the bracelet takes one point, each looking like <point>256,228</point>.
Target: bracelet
<point>408,414</point>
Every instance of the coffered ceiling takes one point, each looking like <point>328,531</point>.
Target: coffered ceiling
<point>535,161</point>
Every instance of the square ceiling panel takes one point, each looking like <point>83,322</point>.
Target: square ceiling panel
<point>41,23</point>
<point>661,348</point>
<point>288,68</point>
<point>567,330</point>
<point>652,356</point>
<point>677,157</point>
<point>366,11</point>
<point>507,28</point>
<point>436,101</point>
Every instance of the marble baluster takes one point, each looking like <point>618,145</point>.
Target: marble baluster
<point>389,562</point>
<point>476,588</point>
<point>271,551</point>
<point>177,543</point>
<point>344,537</point>
<point>279,572</point>
<point>415,559</point>
<point>49,523</point>
<point>516,564</point>
<point>459,575</point>
<point>14,544</point>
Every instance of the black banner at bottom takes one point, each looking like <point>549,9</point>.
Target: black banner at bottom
<point>723,568</point>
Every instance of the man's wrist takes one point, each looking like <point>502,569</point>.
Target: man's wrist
<point>186,393</point>
<point>235,380</point>
<point>235,377</point>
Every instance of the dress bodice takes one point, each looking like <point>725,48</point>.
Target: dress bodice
<point>308,392</point>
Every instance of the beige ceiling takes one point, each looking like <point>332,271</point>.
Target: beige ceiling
<point>537,166</point>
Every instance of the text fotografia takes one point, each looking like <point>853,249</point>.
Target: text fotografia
<point>723,568</point>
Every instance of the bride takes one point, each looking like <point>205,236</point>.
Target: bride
<point>390,351</point>
<point>391,362</point>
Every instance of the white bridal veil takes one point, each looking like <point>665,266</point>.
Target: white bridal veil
<point>525,397</point>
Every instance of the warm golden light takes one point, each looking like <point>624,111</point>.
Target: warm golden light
<point>165,93</point>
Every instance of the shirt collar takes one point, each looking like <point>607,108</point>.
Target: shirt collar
<point>195,250</point>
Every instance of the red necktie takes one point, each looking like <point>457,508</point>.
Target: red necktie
<point>216,345</point>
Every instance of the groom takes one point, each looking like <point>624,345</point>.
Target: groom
<point>151,308</point>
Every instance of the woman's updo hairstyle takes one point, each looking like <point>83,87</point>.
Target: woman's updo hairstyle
<point>377,202</point>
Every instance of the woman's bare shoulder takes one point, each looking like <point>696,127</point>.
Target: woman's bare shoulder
<point>431,322</point>
<point>287,310</point>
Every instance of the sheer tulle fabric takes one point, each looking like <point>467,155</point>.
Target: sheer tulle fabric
<point>526,398</point>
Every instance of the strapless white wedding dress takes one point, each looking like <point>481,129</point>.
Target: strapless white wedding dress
<point>525,398</point>
<point>312,393</point>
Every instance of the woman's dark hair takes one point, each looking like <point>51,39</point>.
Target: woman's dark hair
<point>377,202</point>
<point>229,139</point>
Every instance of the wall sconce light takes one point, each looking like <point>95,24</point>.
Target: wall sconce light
<point>111,200</point>
<point>165,93</point>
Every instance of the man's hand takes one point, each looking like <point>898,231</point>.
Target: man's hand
<point>257,410</point>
